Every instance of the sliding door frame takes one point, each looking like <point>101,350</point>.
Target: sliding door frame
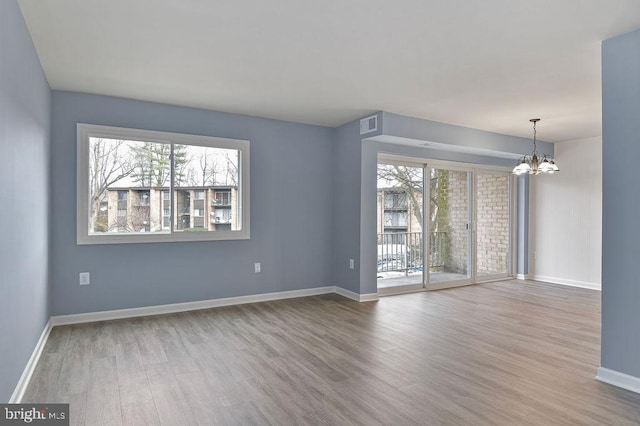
<point>470,251</point>
<point>408,288</point>
<point>473,170</point>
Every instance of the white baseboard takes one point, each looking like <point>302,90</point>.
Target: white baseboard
<point>563,281</point>
<point>25,378</point>
<point>186,306</point>
<point>523,277</point>
<point>621,380</point>
<point>369,297</point>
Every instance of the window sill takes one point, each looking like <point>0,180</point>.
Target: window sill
<point>146,238</point>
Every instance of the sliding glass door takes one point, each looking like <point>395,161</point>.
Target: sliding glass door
<point>400,238</point>
<point>450,228</point>
<point>441,225</point>
<point>492,225</point>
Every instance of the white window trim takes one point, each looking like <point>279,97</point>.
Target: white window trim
<point>85,131</point>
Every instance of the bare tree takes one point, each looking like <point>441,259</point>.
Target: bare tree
<point>231,170</point>
<point>408,180</point>
<point>206,172</point>
<point>209,168</point>
<point>138,219</point>
<point>107,164</point>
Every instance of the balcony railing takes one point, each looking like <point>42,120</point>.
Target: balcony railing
<point>219,220</point>
<point>403,251</point>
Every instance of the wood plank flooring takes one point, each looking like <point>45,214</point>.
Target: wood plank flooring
<point>505,353</point>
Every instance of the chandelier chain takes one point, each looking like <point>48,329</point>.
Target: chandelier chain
<point>534,138</point>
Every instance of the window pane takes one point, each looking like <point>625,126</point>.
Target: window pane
<point>143,186</point>
<point>206,189</point>
<point>399,224</point>
<point>126,184</point>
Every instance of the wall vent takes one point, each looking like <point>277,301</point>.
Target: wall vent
<point>369,124</point>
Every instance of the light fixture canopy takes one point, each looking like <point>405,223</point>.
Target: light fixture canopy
<point>532,164</point>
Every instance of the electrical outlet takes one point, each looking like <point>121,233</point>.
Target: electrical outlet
<point>351,264</point>
<point>257,268</point>
<point>85,278</point>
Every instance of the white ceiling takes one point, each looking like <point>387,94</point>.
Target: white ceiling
<point>489,64</point>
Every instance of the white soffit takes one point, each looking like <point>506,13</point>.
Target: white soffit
<point>445,147</point>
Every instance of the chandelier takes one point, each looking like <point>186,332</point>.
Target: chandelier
<point>532,164</point>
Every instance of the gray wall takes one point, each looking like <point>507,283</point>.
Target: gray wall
<point>25,108</point>
<point>522,226</point>
<point>346,206</point>
<point>291,214</point>
<point>621,204</point>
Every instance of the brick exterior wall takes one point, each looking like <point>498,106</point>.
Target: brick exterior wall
<point>493,223</point>
<point>458,217</point>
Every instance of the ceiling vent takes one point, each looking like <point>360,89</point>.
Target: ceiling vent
<point>368,124</point>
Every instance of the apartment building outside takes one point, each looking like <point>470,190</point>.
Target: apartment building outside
<point>395,212</point>
<point>148,209</point>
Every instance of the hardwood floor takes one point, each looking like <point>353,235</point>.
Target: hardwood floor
<point>504,353</point>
